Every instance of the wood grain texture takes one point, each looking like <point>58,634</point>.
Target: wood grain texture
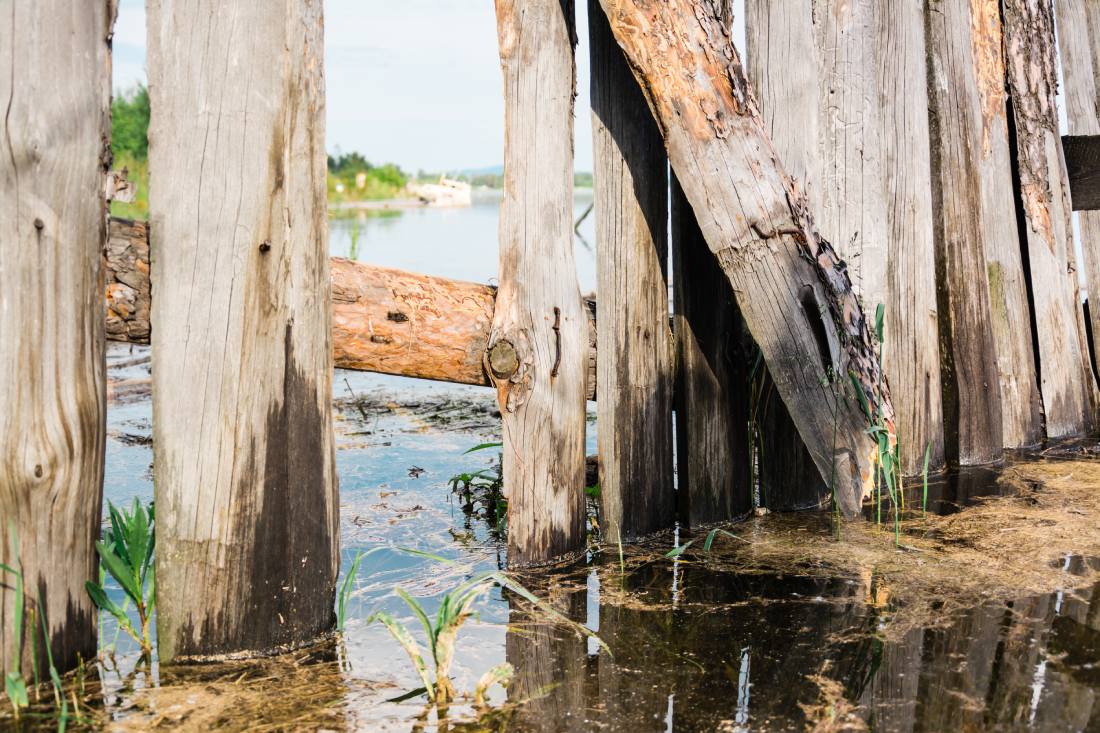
<point>634,409</point>
<point>714,355</point>
<point>1079,44</point>
<point>713,451</point>
<point>244,468</point>
<point>852,74</point>
<point>792,288</point>
<point>965,121</point>
<point>538,345</point>
<point>55,90</point>
<point>1031,64</point>
<point>1082,156</point>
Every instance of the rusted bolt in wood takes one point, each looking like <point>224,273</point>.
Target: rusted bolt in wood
<point>39,224</point>
<point>503,361</point>
<point>265,246</point>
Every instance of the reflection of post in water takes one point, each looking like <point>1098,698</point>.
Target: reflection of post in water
<point>549,659</point>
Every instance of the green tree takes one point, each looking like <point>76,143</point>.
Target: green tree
<point>130,124</point>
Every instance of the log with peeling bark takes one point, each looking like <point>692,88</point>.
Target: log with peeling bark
<point>538,343</point>
<point>1079,43</point>
<point>793,290</point>
<point>244,465</point>
<point>634,410</point>
<point>852,75</point>
<point>1031,65</point>
<point>55,80</point>
<point>383,320</point>
<point>984,344</point>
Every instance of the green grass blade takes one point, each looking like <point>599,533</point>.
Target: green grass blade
<point>418,611</point>
<point>482,446</point>
<point>408,643</point>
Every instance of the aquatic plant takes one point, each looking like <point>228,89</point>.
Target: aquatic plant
<point>126,553</point>
<point>484,487</point>
<point>924,480</point>
<point>707,543</point>
<point>441,633</point>
<point>15,685</point>
<point>343,596</point>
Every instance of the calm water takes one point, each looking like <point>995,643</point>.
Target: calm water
<point>693,647</point>
<point>459,243</point>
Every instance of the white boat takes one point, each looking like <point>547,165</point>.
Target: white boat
<point>448,192</point>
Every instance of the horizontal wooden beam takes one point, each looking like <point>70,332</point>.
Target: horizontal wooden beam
<point>384,320</point>
<point>1082,154</point>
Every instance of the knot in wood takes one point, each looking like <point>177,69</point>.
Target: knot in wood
<point>503,360</point>
<point>265,246</point>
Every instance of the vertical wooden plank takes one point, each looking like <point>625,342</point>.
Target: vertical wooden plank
<point>911,352</point>
<point>1031,65</point>
<point>242,354</point>
<point>793,290</point>
<point>845,71</point>
<point>1079,44</point>
<point>963,126</point>
<point>634,381</point>
<point>712,381</point>
<point>55,87</point>
<point>538,344</point>
<point>713,451</point>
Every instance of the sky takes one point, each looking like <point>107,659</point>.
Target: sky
<point>414,82</point>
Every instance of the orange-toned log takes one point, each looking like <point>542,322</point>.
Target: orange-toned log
<point>383,320</point>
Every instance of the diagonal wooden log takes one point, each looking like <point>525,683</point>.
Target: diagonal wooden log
<point>793,289</point>
<point>383,320</point>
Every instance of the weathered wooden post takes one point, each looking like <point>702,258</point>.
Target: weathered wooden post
<point>1078,39</point>
<point>1031,64</point>
<point>55,78</point>
<point>793,291</point>
<point>844,71</point>
<point>538,345</point>
<point>978,254</point>
<point>242,353</point>
<point>634,377</point>
<point>713,450</point>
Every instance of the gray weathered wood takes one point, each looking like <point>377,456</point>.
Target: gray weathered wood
<point>538,345</point>
<point>1031,64</point>
<point>55,80</point>
<point>852,74</point>
<point>713,450</point>
<point>969,177</point>
<point>1082,155</point>
<point>247,508</point>
<point>1079,44</point>
<point>792,288</point>
<point>634,409</point>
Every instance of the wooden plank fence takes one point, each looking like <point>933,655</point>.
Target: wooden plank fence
<point>919,139</point>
